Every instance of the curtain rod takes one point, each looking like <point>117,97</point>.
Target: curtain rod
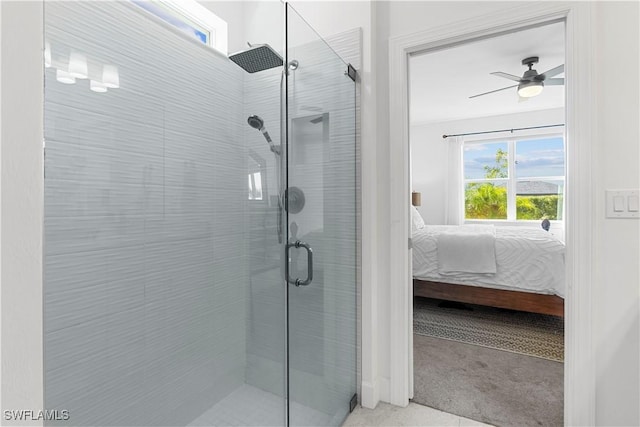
<point>502,130</point>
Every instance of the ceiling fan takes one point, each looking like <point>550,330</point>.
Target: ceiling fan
<point>531,83</point>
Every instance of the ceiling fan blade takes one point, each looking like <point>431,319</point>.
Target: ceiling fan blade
<point>554,82</point>
<point>493,91</point>
<point>554,71</point>
<point>507,76</point>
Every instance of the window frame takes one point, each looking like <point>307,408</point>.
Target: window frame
<point>259,168</point>
<point>512,180</point>
<point>196,16</point>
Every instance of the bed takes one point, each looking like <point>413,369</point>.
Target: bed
<point>508,267</point>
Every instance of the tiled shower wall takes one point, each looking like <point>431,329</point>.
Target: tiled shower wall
<point>145,198</point>
<point>324,162</point>
<point>163,283</point>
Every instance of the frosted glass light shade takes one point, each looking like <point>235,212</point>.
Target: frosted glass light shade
<point>530,89</point>
<point>110,76</point>
<point>64,77</point>
<point>97,86</point>
<point>78,65</point>
<point>47,55</point>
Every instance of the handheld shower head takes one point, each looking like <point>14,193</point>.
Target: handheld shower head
<point>256,122</point>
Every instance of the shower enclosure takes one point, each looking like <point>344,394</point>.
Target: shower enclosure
<point>196,272</point>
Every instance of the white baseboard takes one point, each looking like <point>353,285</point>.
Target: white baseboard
<point>384,389</point>
<point>369,396</point>
<point>373,392</point>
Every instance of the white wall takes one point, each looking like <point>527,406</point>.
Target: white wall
<point>21,206</point>
<point>429,153</point>
<point>617,294</point>
<point>255,22</point>
<point>392,19</point>
<point>232,12</point>
<point>617,250</point>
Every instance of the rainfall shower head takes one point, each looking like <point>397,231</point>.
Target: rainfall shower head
<point>256,122</point>
<point>258,57</point>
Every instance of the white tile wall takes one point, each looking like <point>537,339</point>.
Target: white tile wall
<point>163,284</point>
<point>145,270</point>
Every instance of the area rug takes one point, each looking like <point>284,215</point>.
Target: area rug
<point>492,386</point>
<point>530,334</point>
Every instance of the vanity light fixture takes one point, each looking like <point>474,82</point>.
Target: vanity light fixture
<point>110,76</point>
<point>97,86</point>
<point>64,77</point>
<point>78,65</point>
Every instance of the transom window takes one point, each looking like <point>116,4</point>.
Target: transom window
<point>191,18</point>
<point>514,180</point>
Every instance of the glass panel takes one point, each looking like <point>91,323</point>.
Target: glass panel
<point>537,200</point>
<point>164,300</point>
<point>265,374</point>
<point>488,160</point>
<point>182,23</point>
<point>537,158</point>
<point>485,200</point>
<point>321,213</point>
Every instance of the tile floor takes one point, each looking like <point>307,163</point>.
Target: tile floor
<point>413,415</point>
<point>250,406</point>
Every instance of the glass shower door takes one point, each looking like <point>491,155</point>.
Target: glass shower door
<point>321,229</point>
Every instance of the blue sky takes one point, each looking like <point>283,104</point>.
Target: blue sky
<point>167,16</point>
<point>534,157</point>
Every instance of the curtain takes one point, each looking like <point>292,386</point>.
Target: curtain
<point>455,182</point>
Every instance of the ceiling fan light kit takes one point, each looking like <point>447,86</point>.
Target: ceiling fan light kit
<point>530,89</point>
<point>531,83</point>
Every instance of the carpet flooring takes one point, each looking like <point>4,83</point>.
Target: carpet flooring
<point>532,334</point>
<point>487,385</point>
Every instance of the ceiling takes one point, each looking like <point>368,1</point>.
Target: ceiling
<point>442,81</point>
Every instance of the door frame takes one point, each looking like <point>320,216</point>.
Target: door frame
<point>581,125</point>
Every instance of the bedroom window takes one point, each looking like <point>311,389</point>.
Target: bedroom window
<point>514,180</point>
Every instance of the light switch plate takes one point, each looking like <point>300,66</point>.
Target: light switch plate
<point>622,203</point>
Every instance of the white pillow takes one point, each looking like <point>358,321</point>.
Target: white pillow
<point>417,223</point>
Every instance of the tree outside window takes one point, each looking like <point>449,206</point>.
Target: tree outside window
<point>514,180</point>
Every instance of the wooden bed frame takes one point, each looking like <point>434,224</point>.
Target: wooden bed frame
<point>514,300</point>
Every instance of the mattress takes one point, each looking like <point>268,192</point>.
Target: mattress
<point>527,259</point>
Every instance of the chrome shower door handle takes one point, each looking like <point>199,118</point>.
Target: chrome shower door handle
<point>298,281</point>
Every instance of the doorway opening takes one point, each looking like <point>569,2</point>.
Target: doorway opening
<point>488,175</point>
